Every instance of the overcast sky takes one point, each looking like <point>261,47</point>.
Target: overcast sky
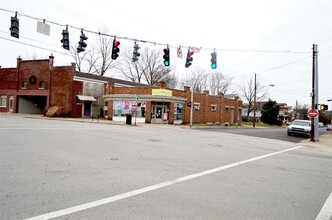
<point>272,38</point>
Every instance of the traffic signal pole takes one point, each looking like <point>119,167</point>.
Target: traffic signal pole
<point>314,94</point>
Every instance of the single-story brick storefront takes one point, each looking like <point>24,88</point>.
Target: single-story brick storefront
<point>163,105</point>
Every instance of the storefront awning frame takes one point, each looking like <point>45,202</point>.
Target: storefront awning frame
<point>154,98</point>
<point>86,98</point>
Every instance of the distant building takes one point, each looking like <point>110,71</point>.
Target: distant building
<point>284,111</point>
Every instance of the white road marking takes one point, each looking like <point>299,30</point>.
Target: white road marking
<point>111,199</point>
<point>326,211</point>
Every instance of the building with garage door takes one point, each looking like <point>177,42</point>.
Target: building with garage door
<point>34,86</point>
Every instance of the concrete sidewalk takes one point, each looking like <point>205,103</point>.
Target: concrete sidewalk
<point>325,142</point>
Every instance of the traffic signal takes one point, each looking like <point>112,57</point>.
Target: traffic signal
<point>115,49</point>
<point>136,54</point>
<point>81,44</point>
<point>213,60</point>
<point>65,39</point>
<point>323,107</point>
<point>14,26</point>
<point>166,56</point>
<point>189,58</point>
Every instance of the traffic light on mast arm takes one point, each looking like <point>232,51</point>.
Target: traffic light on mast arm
<point>189,58</point>
<point>115,49</point>
<point>65,39</point>
<point>136,54</point>
<point>166,56</point>
<point>323,107</point>
<point>81,44</point>
<point>14,26</point>
<point>213,60</point>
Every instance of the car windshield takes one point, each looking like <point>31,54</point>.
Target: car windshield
<point>301,123</point>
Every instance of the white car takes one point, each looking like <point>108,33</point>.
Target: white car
<point>302,127</point>
<point>320,124</point>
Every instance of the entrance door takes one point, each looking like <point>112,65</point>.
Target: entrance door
<point>11,103</point>
<point>159,109</point>
<point>87,109</point>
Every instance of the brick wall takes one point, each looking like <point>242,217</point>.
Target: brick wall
<point>59,87</point>
<point>212,109</point>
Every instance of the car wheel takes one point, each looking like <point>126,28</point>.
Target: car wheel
<point>289,133</point>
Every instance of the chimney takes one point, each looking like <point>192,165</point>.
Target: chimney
<point>51,61</point>
<point>162,85</point>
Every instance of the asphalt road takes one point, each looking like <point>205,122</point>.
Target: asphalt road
<point>271,133</point>
<point>69,170</point>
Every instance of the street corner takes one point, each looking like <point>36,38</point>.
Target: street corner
<point>324,143</point>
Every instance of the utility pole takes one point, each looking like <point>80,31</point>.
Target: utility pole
<point>192,106</point>
<point>255,91</point>
<point>314,94</point>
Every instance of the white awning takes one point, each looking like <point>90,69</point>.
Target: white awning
<point>86,98</point>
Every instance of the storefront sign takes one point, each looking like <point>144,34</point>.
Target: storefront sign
<point>165,116</point>
<point>162,92</point>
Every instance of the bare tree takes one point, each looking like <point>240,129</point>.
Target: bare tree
<point>219,83</point>
<point>79,60</point>
<point>133,71</point>
<point>197,79</point>
<point>96,60</point>
<point>247,90</point>
<point>148,69</point>
<point>104,51</point>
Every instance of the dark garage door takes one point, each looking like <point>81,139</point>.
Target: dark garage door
<point>32,104</point>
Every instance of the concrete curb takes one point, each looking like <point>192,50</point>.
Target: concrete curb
<point>325,142</point>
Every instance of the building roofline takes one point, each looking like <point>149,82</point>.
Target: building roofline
<point>80,76</point>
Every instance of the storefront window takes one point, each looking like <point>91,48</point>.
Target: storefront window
<point>178,110</point>
<point>122,108</point>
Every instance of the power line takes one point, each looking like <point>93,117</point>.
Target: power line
<point>42,48</point>
<point>38,41</point>
<point>150,42</point>
<point>287,64</point>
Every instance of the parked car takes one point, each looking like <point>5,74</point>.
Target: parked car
<point>329,127</point>
<point>320,124</point>
<point>302,127</point>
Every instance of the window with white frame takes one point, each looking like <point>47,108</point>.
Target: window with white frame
<point>3,101</point>
<point>213,108</point>
<point>197,106</point>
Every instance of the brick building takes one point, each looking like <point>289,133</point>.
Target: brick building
<point>36,85</point>
<point>162,105</point>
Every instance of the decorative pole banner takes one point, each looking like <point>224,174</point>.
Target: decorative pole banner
<point>195,49</point>
<point>179,52</point>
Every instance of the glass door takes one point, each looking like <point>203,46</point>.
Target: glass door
<point>159,109</point>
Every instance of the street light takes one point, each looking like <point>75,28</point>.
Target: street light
<point>255,91</point>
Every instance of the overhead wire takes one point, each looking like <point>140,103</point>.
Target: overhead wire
<point>147,41</point>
